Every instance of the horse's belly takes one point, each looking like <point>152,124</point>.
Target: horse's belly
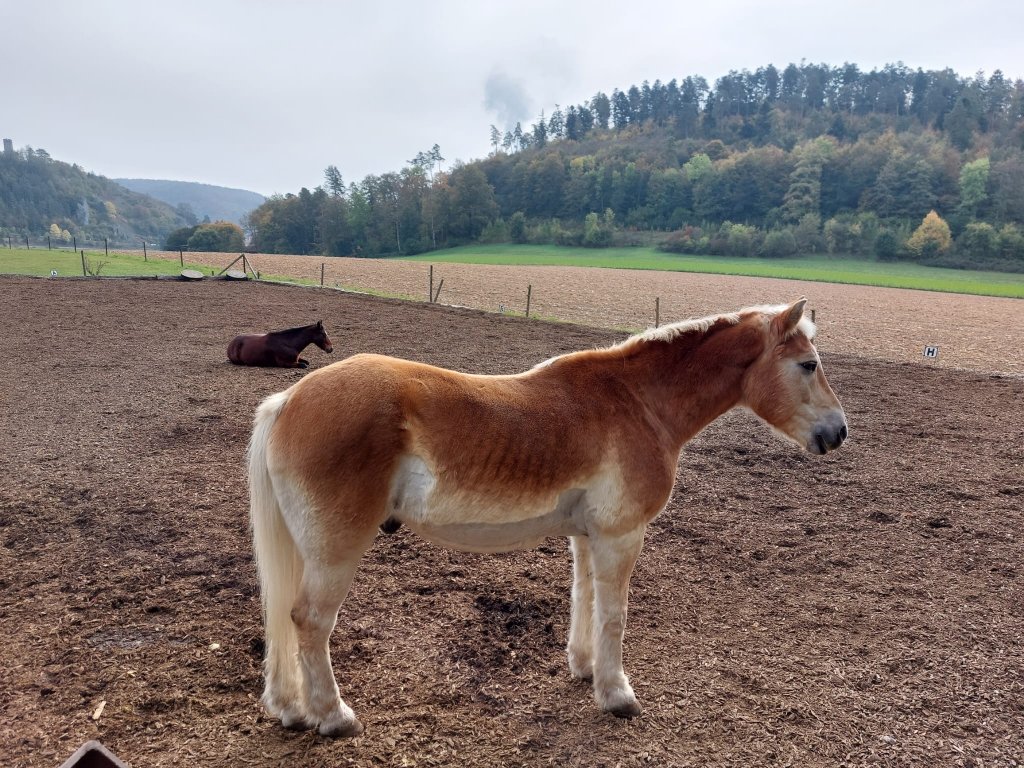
<point>502,537</point>
<point>479,522</point>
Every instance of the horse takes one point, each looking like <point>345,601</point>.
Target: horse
<point>584,445</point>
<point>278,349</point>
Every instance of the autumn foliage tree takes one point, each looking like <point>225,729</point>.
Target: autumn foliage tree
<point>930,239</point>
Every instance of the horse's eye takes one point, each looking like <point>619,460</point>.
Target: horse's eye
<point>810,366</point>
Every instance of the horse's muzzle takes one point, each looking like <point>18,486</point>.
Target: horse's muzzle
<point>827,439</point>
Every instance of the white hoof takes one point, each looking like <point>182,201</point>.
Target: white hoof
<point>619,701</point>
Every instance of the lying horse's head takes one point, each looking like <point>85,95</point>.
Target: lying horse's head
<point>320,337</point>
<point>786,385</point>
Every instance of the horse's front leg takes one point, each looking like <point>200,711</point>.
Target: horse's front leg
<point>580,649</point>
<point>612,560</point>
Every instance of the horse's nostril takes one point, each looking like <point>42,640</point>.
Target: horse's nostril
<point>842,432</point>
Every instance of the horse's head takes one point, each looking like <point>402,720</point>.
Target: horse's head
<point>786,385</point>
<point>320,337</point>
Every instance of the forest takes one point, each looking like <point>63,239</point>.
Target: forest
<point>892,164</point>
<point>44,198</point>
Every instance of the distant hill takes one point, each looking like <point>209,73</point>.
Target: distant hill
<point>219,203</point>
<point>41,197</point>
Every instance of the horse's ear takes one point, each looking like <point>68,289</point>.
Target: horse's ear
<point>786,321</point>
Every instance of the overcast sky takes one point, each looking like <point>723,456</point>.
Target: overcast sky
<point>264,95</point>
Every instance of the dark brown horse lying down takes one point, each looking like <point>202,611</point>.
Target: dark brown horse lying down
<point>278,349</point>
<point>585,445</point>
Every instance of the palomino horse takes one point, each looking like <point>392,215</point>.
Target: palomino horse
<point>585,445</point>
<point>278,349</point>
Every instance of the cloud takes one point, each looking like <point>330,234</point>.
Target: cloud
<point>507,99</point>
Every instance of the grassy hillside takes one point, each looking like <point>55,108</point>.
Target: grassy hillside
<point>823,269</point>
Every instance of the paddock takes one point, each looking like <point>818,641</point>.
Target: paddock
<point>858,608</point>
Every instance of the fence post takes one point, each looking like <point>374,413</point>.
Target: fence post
<point>144,255</point>
<point>529,290</point>
<point>106,248</point>
<point>439,287</point>
<point>48,246</point>
<point>321,274</point>
<point>84,273</point>
<point>657,311</point>
<point>812,315</point>
<point>430,288</point>
<point>26,243</point>
<point>9,242</point>
<point>181,257</point>
<point>74,239</point>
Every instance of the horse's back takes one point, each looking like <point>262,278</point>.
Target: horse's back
<point>507,435</point>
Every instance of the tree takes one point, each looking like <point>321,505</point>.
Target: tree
<point>495,138</point>
<point>540,131</point>
<point>333,181</point>
<point>978,242</point>
<point>178,239</point>
<point>804,193</point>
<point>602,108</point>
<point>218,236</point>
<point>930,239</point>
<point>974,185</point>
<point>474,206</point>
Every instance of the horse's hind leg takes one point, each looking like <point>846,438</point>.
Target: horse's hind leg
<point>613,558</point>
<point>315,612</point>
<point>581,618</point>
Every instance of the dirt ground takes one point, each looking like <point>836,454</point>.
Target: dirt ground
<point>858,609</point>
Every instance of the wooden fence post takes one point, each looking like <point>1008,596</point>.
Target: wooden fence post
<point>430,288</point>
<point>26,243</point>
<point>529,290</point>
<point>181,257</point>
<point>74,239</point>
<point>657,311</point>
<point>321,274</point>
<point>812,315</point>
<point>439,286</point>
<point>84,273</point>
<point>106,247</point>
<point>144,254</point>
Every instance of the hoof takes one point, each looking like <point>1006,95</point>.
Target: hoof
<point>343,729</point>
<point>627,710</point>
<point>581,670</point>
<point>296,723</point>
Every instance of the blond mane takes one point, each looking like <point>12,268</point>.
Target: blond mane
<point>672,331</point>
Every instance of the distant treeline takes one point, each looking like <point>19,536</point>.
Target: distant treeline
<point>811,158</point>
<point>41,197</point>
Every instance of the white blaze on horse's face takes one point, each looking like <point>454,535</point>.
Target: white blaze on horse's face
<point>787,388</point>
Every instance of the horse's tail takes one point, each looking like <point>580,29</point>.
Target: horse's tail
<point>278,561</point>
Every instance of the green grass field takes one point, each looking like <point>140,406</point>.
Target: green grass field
<point>829,270</point>
<point>40,261</point>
